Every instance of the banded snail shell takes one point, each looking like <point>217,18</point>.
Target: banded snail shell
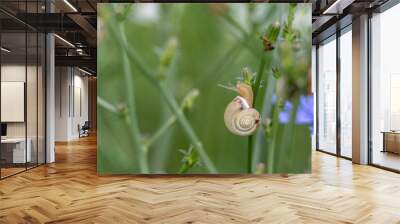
<point>239,119</point>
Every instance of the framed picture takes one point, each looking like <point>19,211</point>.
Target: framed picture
<point>204,88</point>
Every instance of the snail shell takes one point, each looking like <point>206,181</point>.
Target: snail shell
<point>240,118</point>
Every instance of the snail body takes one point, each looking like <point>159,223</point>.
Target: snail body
<point>239,117</point>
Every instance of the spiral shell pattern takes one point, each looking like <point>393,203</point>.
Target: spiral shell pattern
<point>245,123</point>
<point>240,118</point>
<point>240,121</point>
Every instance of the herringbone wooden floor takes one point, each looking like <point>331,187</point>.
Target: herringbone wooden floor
<point>70,191</point>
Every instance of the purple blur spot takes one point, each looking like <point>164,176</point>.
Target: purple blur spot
<point>305,112</point>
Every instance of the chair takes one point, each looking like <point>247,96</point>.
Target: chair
<point>84,130</point>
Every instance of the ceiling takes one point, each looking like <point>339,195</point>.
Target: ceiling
<point>331,15</point>
<point>75,22</point>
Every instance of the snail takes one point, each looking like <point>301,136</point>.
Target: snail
<point>240,117</point>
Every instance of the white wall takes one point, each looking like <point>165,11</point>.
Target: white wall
<point>33,126</point>
<point>80,102</point>
<point>71,94</point>
<point>62,82</point>
<point>14,73</point>
<point>17,73</point>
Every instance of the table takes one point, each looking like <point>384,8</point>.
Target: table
<point>18,150</point>
<point>391,141</point>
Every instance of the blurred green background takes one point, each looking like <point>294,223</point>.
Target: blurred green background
<point>214,43</point>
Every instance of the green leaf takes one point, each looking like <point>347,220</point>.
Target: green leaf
<point>189,160</point>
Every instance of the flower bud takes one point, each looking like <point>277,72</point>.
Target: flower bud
<point>169,52</point>
<point>271,36</point>
<point>166,56</point>
<point>247,76</point>
<point>188,100</point>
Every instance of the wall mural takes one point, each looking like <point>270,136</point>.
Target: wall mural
<point>204,88</point>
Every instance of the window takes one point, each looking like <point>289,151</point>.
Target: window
<point>22,77</point>
<point>346,93</point>
<point>327,96</point>
<point>385,89</point>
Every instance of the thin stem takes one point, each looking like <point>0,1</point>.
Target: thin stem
<point>243,32</point>
<point>259,76</point>
<point>266,113</point>
<point>187,128</point>
<point>288,131</point>
<point>166,126</point>
<point>231,88</point>
<point>271,148</point>
<point>227,58</point>
<point>168,97</point>
<point>234,23</point>
<point>134,125</point>
<point>107,105</point>
<point>142,149</point>
<point>250,154</point>
<point>256,87</point>
<point>163,143</point>
<point>264,98</point>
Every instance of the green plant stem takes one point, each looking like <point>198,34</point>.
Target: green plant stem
<point>134,125</point>
<point>143,160</point>
<point>168,97</point>
<point>234,23</point>
<point>271,148</point>
<point>266,113</point>
<point>250,154</point>
<point>243,32</point>
<point>228,57</point>
<point>165,127</point>
<point>264,97</point>
<point>161,139</point>
<point>256,87</point>
<point>106,105</point>
<point>187,128</point>
<point>259,76</point>
<point>288,131</point>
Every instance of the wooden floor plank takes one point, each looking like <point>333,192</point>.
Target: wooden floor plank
<point>70,191</point>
